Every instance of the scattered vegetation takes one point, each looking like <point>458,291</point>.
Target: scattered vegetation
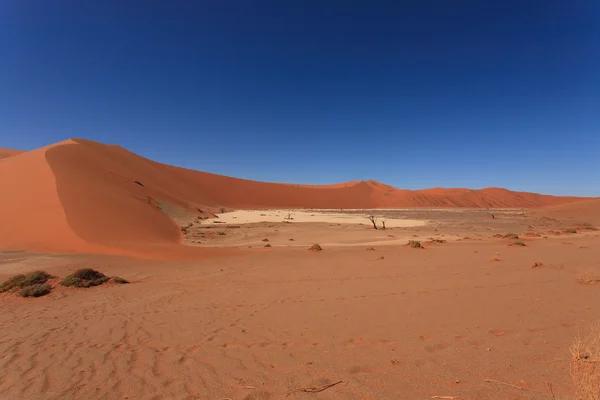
<point>221,233</point>
<point>585,365</point>
<point>268,245</point>
<point>265,240</point>
<point>315,247</point>
<point>510,236</point>
<point>119,280</point>
<point>570,230</point>
<point>370,249</point>
<point>36,290</point>
<point>222,209</point>
<point>518,243</point>
<point>85,278</point>
<point>589,227</point>
<point>438,241</point>
<point>537,264</point>
<point>415,244</point>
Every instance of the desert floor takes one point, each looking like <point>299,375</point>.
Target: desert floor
<point>388,320</point>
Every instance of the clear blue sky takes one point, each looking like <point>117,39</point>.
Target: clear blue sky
<point>411,93</point>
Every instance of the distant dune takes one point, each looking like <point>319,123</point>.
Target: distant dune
<point>5,153</point>
<point>582,211</point>
<point>80,196</point>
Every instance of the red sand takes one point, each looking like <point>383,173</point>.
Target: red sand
<point>5,153</point>
<point>80,196</point>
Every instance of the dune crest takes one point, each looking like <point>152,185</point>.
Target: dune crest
<point>5,153</point>
<point>80,196</point>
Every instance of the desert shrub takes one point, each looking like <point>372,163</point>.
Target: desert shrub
<point>12,283</point>
<point>119,280</point>
<point>20,281</point>
<point>415,244</point>
<point>85,278</point>
<point>519,243</point>
<point>589,227</point>
<point>585,365</point>
<point>510,236</point>
<point>315,247</point>
<point>537,264</point>
<point>35,290</point>
<point>570,231</point>
<point>221,233</point>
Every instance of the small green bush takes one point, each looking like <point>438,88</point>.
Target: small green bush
<point>85,278</point>
<point>12,283</point>
<point>20,281</point>
<point>35,290</point>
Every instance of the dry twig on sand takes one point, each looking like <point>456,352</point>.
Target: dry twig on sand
<point>515,386</point>
<point>315,389</point>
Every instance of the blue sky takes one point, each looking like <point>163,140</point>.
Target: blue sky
<point>414,94</point>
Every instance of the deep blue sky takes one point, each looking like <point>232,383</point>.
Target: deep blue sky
<point>411,93</point>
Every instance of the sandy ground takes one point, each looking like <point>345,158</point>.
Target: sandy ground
<point>261,323</point>
<point>325,216</point>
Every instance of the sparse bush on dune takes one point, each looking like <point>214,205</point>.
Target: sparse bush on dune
<point>85,278</point>
<point>585,365</point>
<point>510,236</point>
<point>12,283</point>
<point>119,280</point>
<point>35,290</point>
<point>518,243</point>
<point>570,231</point>
<point>20,281</point>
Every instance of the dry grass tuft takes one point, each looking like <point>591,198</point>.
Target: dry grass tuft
<point>537,264</point>
<point>415,244</point>
<point>315,247</point>
<point>585,365</point>
<point>518,243</point>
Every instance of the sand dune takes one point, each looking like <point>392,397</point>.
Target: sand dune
<point>582,211</point>
<point>81,196</point>
<point>5,153</point>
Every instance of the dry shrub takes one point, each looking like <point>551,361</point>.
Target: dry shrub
<point>35,290</point>
<point>315,247</point>
<point>85,278</point>
<point>415,244</point>
<point>585,365</point>
<point>20,281</point>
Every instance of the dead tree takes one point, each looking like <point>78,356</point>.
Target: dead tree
<point>383,223</point>
<point>373,221</point>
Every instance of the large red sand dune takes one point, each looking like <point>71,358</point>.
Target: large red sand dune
<point>81,196</point>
